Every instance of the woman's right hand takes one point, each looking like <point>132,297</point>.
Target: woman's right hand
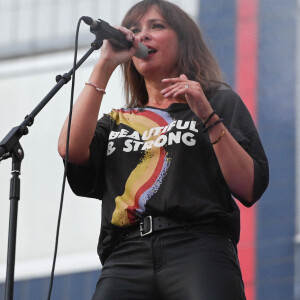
<point>113,56</point>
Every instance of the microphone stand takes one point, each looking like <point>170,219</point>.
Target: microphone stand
<point>11,147</point>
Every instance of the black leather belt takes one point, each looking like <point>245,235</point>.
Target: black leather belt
<point>150,224</point>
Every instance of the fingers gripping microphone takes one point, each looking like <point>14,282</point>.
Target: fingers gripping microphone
<point>115,36</point>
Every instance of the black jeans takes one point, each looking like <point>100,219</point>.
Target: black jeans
<point>177,264</point>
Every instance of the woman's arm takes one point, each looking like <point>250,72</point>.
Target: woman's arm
<point>86,108</point>
<point>236,164</point>
<point>84,117</point>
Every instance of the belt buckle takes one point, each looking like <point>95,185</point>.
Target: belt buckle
<point>142,226</point>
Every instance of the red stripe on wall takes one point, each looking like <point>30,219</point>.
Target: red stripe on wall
<point>246,86</point>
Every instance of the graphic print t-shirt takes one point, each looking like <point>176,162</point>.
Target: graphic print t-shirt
<point>150,161</point>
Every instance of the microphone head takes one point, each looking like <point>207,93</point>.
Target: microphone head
<point>142,51</point>
<point>87,20</point>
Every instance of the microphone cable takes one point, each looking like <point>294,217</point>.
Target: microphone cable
<point>66,162</point>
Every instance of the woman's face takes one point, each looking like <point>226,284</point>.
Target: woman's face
<point>153,31</point>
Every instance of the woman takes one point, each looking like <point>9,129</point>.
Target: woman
<point>166,167</point>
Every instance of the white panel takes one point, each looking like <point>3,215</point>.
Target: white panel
<point>5,27</point>
<point>27,3</point>
<point>66,22</point>
<point>191,7</point>
<point>25,32</point>
<point>45,25</point>
<point>4,4</point>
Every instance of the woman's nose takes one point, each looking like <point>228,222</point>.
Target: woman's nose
<point>144,36</point>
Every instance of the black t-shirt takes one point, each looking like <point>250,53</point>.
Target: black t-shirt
<point>151,161</point>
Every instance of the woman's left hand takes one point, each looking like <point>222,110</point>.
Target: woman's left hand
<point>193,93</point>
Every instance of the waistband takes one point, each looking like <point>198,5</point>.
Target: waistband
<point>150,224</point>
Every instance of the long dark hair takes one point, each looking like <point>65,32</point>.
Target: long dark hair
<point>195,60</point>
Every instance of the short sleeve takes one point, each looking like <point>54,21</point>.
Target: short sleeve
<point>239,122</point>
<point>89,180</point>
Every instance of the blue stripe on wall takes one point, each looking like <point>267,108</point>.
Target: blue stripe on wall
<point>218,22</point>
<point>77,286</point>
<point>276,120</point>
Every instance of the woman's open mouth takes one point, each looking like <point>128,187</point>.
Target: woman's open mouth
<point>151,50</point>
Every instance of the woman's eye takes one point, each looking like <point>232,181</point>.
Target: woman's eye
<point>158,26</point>
<point>134,30</point>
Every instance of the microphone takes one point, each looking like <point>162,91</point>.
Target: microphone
<point>115,36</point>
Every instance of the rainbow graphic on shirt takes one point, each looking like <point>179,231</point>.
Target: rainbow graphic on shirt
<point>146,178</point>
